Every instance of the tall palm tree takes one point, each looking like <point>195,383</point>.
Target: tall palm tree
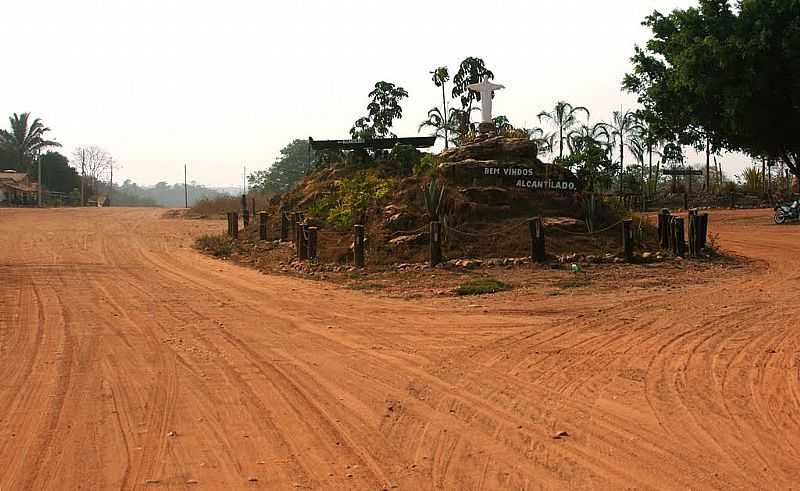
<point>25,139</point>
<point>625,129</point>
<point>440,77</point>
<point>564,117</point>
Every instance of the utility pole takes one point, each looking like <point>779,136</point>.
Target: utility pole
<point>244,180</point>
<point>111,182</point>
<point>185,188</point>
<point>83,177</point>
<point>39,164</point>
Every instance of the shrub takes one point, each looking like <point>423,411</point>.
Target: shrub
<point>216,245</point>
<point>354,195</point>
<point>481,286</point>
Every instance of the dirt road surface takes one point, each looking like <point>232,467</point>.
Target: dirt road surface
<point>129,360</point>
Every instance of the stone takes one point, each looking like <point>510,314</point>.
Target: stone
<point>406,240</point>
<point>560,434</point>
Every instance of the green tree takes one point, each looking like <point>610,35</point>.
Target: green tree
<point>564,117</point>
<point>288,169</point>
<point>725,73</point>
<point>57,175</point>
<point>25,140</point>
<point>382,110</point>
<point>440,77</point>
<point>470,71</point>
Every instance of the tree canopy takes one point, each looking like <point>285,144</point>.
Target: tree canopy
<point>288,169</point>
<point>25,140</point>
<point>727,74</point>
<point>383,108</point>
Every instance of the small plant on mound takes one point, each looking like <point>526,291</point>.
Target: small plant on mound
<point>216,245</point>
<point>354,195</point>
<point>481,286</point>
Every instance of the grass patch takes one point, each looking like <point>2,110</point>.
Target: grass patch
<point>481,286</point>
<point>367,286</point>
<point>216,245</point>
<point>574,281</point>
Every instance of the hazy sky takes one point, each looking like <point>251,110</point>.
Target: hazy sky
<point>219,85</point>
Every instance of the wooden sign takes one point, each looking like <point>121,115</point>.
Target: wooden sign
<point>682,172</point>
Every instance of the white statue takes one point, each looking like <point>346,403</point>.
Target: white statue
<point>485,89</point>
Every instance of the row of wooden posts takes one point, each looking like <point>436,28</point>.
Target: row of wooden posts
<point>305,237</point>
<point>671,232</point>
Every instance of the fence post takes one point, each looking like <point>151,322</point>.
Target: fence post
<point>262,225</point>
<point>253,207</point>
<point>436,243</point>
<point>693,232</point>
<point>245,218</point>
<point>284,226</point>
<point>680,239</point>
<point>312,243</point>
<point>536,233</point>
<point>234,222</point>
<point>293,222</point>
<point>627,239</point>
<point>358,246</point>
<point>663,228</point>
<point>230,227</point>
<point>703,235</point>
<point>302,248</point>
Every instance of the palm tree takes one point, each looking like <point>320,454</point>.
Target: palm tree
<point>438,122</point>
<point>440,77</point>
<point>25,140</point>
<point>564,117</point>
<point>579,137</point>
<point>625,129</point>
<point>544,140</point>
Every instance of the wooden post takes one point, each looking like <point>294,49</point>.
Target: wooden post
<point>627,239</point>
<point>693,230</point>
<point>302,248</point>
<point>284,226</point>
<point>230,228</point>
<point>234,222</point>
<point>312,243</point>
<point>262,225</point>
<point>436,243</point>
<point>685,201</point>
<point>253,207</point>
<point>245,218</point>
<point>680,239</point>
<point>536,233</point>
<point>293,222</point>
<point>663,228</point>
<point>703,232</point>
<point>358,245</point>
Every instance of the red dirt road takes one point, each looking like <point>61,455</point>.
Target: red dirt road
<point>129,360</point>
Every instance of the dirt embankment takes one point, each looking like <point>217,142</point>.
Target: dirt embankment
<point>129,360</point>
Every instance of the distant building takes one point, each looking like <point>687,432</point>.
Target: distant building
<point>16,188</point>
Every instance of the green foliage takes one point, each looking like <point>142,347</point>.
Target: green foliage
<point>216,245</point>
<point>753,180</point>
<point>353,196</point>
<point>406,157</point>
<point>288,169</point>
<point>481,286</point>
<point>426,165</point>
<point>470,71</point>
<point>591,165</point>
<point>727,73</point>
<point>382,110</point>
<point>25,140</point>
<point>434,199</point>
<point>57,175</point>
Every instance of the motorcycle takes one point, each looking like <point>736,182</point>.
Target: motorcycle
<point>784,212</point>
